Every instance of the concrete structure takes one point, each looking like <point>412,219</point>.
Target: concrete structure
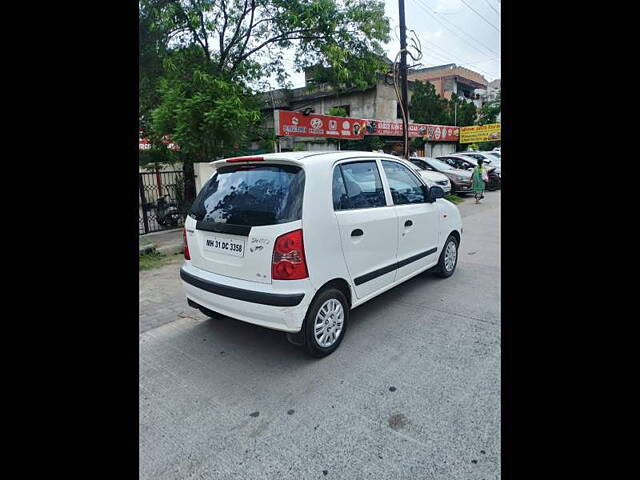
<point>449,79</point>
<point>378,102</point>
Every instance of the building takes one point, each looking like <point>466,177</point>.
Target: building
<point>449,79</point>
<point>378,102</point>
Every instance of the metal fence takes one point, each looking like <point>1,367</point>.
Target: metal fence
<point>161,201</point>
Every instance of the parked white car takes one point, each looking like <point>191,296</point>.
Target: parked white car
<point>432,178</point>
<point>293,241</point>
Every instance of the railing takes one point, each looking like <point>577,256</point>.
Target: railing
<point>161,204</point>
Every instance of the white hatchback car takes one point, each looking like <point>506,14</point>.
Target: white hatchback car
<point>293,241</point>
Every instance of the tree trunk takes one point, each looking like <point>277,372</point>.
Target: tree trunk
<point>189,182</point>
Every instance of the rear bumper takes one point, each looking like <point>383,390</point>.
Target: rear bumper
<point>252,296</point>
<point>254,303</point>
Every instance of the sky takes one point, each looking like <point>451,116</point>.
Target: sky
<point>464,32</point>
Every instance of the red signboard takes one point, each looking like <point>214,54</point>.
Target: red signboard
<point>437,133</point>
<point>296,124</point>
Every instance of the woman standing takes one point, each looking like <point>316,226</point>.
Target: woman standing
<point>478,179</point>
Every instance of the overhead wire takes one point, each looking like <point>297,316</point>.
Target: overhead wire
<point>491,7</point>
<point>478,14</point>
<point>427,8</point>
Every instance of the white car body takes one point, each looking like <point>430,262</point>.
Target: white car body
<point>433,178</point>
<point>243,288</point>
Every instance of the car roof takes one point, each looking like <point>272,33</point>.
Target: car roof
<point>315,156</point>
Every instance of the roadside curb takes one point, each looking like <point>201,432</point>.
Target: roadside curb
<point>171,248</point>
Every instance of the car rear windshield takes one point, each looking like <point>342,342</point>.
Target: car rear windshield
<point>252,195</point>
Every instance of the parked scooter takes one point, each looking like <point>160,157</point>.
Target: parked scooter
<point>167,213</point>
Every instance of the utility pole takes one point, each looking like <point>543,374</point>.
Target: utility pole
<point>403,81</point>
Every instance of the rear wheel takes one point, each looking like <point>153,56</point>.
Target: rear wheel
<point>326,322</point>
<point>448,258</point>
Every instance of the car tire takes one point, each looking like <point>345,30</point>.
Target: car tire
<point>327,301</point>
<point>444,269</point>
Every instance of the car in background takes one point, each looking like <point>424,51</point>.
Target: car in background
<point>431,177</point>
<point>493,153</point>
<point>489,160</point>
<point>465,161</point>
<point>460,179</point>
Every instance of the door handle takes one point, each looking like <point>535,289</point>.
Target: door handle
<point>357,233</point>
<point>408,223</point>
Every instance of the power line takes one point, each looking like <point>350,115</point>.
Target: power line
<point>460,61</point>
<point>491,6</point>
<point>455,57</point>
<point>476,12</point>
<point>427,9</point>
<point>471,37</point>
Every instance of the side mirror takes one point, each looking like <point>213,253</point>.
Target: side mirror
<point>436,192</point>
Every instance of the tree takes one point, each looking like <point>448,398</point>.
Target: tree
<point>460,112</point>
<point>489,112</point>
<point>426,105</point>
<point>199,58</point>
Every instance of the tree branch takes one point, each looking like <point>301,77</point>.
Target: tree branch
<point>192,29</point>
<point>224,26</point>
<point>235,37</point>
<point>284,36</point>
<point>249,30</point>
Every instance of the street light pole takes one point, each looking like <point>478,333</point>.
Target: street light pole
<point>403,81</point>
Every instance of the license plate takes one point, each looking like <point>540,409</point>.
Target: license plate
<point>225,246</point>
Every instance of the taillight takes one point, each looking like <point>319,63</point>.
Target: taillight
<point>288,257</point>
<point>187,256</point>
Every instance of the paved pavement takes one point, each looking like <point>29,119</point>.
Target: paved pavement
<point>413,392</point>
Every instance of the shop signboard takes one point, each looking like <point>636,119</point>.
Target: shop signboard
<point>480,133</point>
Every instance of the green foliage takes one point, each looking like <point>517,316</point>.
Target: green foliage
<point>486,146</point>
<point>489,112</point>
<point>369,143</point>
<point>206,114</point>
<point>197,60</point>
<point>460,112</point>
<point>300,147</point>
<point>427,106</point>
<point>454,198</point>
<point>337,112</point>
<point>149,261</point>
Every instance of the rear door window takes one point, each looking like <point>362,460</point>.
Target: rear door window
<point>357,185</point>
<point>405,187</point>
<point>251,195</point>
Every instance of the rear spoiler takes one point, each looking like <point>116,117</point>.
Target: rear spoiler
<point>254,159</point>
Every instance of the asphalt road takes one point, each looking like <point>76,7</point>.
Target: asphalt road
<point>413,392</point>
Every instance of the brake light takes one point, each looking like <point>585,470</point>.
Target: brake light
<point>187,255</point>
<point>289,262</point>
<point>245,159</point>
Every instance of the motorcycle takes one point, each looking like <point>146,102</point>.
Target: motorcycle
<point>167,213</point>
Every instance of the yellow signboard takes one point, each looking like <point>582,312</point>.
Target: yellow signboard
<point>480,133</point>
